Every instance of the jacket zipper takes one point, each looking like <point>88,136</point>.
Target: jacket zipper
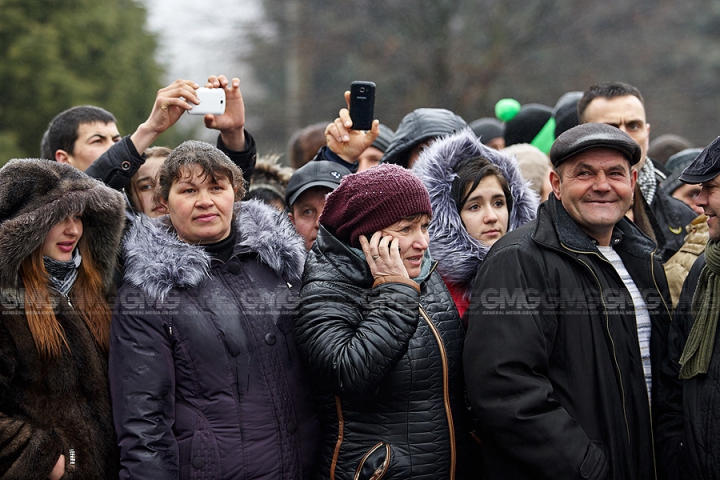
<point>446,390</point>
<point>382,469</point>
<point>617,366</point>
<point>338,444</point>
<point>607,328</point>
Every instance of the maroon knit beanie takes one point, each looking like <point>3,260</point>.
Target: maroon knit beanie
<point>371,200</point>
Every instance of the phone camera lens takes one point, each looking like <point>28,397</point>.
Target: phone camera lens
<point>362,89</point>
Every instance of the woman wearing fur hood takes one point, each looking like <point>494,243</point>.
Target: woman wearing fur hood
<point>59,232</point>
<point>465,180</point>
<point>204,374</point>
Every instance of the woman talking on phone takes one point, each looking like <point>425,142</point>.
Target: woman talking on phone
<point>380,335</point>
<point>59,231</point>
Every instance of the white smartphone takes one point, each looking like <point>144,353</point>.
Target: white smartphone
<point>212,101</point>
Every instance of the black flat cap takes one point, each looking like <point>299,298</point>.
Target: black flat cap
<point>593,135</point>
<point>705,167</point>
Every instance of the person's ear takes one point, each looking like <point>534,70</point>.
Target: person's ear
<point>62,156</point>
<point>291,217</point>
<point>555,182</point>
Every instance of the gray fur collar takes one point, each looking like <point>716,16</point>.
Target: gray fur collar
<point>458,254</point>
<point>156,261</point>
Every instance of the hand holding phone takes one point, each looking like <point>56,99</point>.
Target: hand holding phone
<point>362,105</point>
<point>212,101</point>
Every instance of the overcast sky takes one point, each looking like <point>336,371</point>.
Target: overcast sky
<point>196,38</point>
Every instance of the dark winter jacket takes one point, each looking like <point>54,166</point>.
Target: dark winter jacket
<point>386,365</point>
<point>61,406</point>
<point>694,422</point>
<point>458,254</point>
<point>205,379</point>
<point>552,360</point>
<point>419,126</point>
<point>117,166</point>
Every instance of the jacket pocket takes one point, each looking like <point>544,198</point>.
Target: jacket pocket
<point>594,466</point>
<point>375,463</point>
<point>198,454</point>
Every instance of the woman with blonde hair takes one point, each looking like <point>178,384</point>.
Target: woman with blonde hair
<point>59,231</point>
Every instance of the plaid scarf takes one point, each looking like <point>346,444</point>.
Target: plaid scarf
<point>62,275</point>
<point>647,181</point>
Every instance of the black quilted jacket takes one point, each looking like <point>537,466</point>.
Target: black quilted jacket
<point>386,363</point>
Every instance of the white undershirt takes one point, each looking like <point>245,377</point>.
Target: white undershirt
<point>642,316</point>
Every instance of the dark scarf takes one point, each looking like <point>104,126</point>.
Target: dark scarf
<point>62,275</point>
<point>699,347</point>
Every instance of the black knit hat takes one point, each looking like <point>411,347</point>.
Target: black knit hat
<point>487,128</point>
<point>565,112</point>
<point>371,200</point>
<point>593,135</point>
<point>525,126</point>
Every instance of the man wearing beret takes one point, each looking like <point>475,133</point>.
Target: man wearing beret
<point>695,419</point>
<point>568,326</point>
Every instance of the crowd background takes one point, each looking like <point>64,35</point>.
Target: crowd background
<point>456,54</point>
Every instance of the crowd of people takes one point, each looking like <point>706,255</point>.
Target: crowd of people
<point>525,296</point>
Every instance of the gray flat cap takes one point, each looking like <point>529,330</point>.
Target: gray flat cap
<point>593,135</point>
<point>705,167</point>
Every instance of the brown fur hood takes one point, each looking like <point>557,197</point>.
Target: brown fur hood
<point>35,195</point>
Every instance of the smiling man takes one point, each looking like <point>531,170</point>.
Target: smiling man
<point>565,313</point>
<point>658,214</point>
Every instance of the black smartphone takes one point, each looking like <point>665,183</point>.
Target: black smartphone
<point>362,105</point>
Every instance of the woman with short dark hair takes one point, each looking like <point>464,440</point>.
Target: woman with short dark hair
<point>204,375</point>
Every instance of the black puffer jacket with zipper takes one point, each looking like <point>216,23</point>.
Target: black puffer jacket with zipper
<point>386,363</point>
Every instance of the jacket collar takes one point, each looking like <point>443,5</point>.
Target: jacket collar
<point>626,236</point>
<point>157,261</point>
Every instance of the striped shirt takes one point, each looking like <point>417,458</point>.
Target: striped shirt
<point>642,316</point>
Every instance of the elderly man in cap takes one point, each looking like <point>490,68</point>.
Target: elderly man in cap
<point>568,325</point>
<point>694,350</point>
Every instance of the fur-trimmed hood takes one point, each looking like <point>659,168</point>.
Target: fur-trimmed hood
<point>36,195</point>
<point>458,254</point>
<point>156,261</point>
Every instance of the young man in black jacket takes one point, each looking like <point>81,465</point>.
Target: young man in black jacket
<point>568,326</point>
<point>658,215</point>
<point>87,137</point>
